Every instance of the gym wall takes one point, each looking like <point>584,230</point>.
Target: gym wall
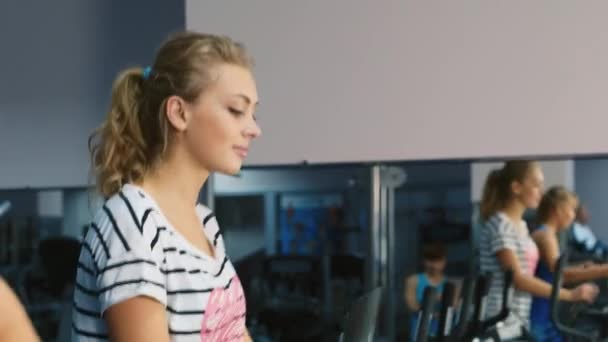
<point>58,61</point>
<point>354,80</point>
<point>592,189</point>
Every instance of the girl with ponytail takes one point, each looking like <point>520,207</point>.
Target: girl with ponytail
<point>555,214</point>
<point>505,244</point>
<point>153,265</point>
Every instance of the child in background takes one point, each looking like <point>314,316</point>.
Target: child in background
<point>434,260</point>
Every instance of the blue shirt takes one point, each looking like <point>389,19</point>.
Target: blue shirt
<point>543,328</point>
<point>423,282</point>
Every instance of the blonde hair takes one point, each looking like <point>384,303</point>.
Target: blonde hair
<point>135,133</point>
<point>552,199</point>
<point>497,190</point>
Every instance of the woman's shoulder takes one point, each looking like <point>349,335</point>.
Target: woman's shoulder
<point>541,233</point>
<point>498,222</point>
<point>125,216</point>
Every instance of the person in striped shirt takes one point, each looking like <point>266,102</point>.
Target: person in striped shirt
<point>505,244</point>
<point>153,265</point>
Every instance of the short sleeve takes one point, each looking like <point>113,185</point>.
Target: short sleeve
<point>130,275</point>
<point>127,265</point>
<point>502,236</point>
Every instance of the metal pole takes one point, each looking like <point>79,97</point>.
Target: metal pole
<point>372,278</point>
<point>390,178</point>
<point>384,237</point>
<point>390,265</point>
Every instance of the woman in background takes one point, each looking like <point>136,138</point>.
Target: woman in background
<point>505,244</point>
<point>555,214</point>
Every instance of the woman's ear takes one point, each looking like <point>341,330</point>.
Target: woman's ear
<point>516,187</point>
<point>176,113</point>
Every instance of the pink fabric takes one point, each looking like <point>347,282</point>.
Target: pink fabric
<point>224,318</point>
<point>532,255</point>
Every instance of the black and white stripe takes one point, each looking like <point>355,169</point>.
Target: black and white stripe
<point>130,249</point>
<point>208,218</point>
<point>131,211</point>
<point>116,228</point>
<point>500,233</point>
<point>126,263</point>
<point>100,240</point>
<point>156,236</point>
<point>81,334</point>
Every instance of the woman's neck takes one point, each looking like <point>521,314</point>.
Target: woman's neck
<point>174,182</point>
<point>514,211</point>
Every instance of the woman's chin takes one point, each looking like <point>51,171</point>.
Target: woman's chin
<point>231,170</point>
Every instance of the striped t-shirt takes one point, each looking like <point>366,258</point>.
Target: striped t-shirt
<point>499,233</point>
<point>132,250</point>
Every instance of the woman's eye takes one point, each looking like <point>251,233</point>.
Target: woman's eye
<point>235,111</point>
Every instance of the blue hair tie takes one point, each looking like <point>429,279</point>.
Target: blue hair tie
<point>147,72</point>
